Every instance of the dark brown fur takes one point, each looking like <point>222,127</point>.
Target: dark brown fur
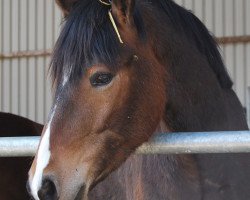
<point>13,171</point>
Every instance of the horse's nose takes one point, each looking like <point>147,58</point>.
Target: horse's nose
<point>48,190</point>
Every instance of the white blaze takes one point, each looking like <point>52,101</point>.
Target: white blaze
<point>65,79</point>
<point>42,161</point>
<point>66,76</point>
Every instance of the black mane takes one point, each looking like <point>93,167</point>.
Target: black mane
<point>195,30</point>
<point>88,36</point>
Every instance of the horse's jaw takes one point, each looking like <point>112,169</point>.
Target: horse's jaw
<point>82,194</point>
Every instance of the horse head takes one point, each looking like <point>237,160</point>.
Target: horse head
<point>109,98</point>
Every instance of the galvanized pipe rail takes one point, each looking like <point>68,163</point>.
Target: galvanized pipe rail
<point>169,143</point>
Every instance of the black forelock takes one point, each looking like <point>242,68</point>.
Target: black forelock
<point>87,37</point>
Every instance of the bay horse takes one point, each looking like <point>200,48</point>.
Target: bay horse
<point>13,171</point>
<point>123,70</point>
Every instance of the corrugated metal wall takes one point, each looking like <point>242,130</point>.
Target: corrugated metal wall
<point>28,25</point>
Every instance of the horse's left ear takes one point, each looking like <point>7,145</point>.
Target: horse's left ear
<point>123,10</point>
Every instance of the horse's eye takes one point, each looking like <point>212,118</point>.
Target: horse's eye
<point>101,79</point>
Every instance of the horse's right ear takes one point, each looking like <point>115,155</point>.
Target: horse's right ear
<point>66,5</point>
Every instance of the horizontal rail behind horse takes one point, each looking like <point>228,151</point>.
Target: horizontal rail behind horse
<point>170,143</point>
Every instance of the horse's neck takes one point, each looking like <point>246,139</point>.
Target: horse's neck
<point>158,177</point>
<point>196,100</point>
<point>152,177</point>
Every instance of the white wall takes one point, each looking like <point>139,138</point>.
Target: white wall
<point>34,25</point>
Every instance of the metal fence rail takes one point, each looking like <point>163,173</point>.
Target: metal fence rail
<point>170,143</point>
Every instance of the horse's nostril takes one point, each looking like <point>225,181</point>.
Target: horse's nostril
<point>48,190</point>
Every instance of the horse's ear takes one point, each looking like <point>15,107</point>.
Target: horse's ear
<point>66,5</point>
<point>123,10</point>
